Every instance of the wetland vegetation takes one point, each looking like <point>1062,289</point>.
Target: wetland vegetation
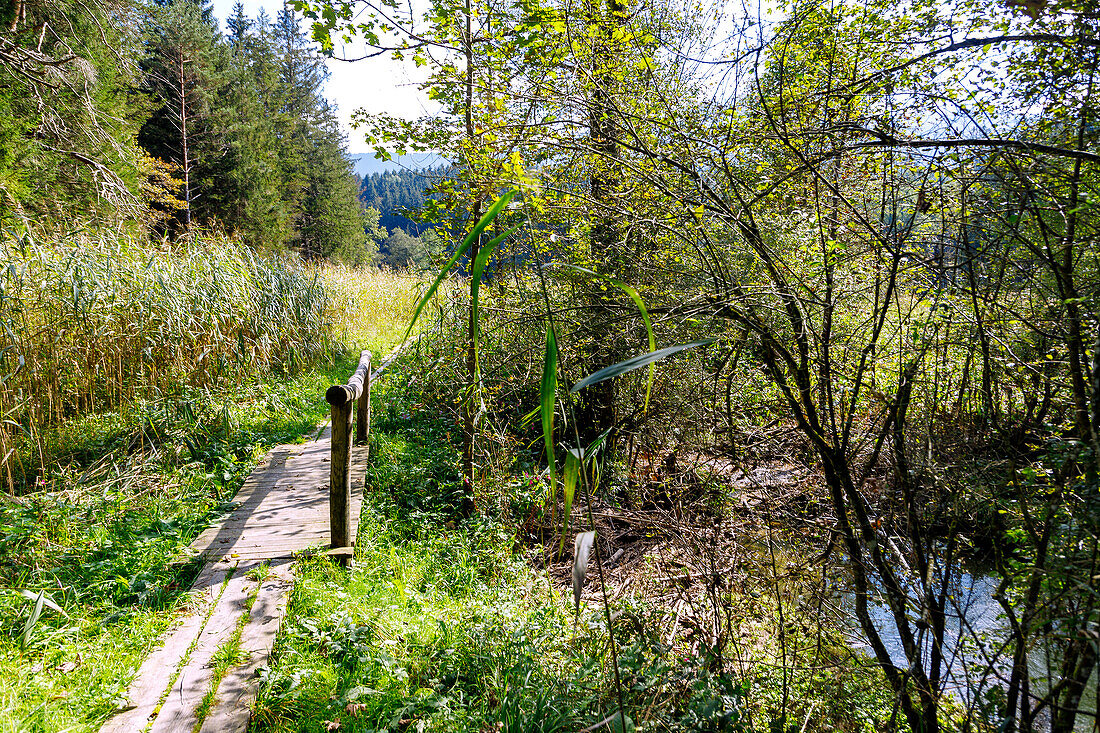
<point>749,349</point>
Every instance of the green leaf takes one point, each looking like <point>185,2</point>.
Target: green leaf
<point>547,395</point>
<point>635,363</point>
<point>645,318</point>
<point>569,488</point>
<point>478,269</point>
<point>462,249</point>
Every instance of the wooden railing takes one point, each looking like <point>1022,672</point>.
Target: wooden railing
<point>343,398</point>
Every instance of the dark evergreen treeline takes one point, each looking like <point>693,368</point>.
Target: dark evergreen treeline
<point>397,196</point>
<point>397,193</point>
<point>150,111</point>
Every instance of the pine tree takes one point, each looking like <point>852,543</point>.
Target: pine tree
<point>317,181</point>
<point>183,72</point>
<point>245,190</point>
<point>67,116</point>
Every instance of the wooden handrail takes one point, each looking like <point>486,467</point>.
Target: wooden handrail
<point>341,398</point>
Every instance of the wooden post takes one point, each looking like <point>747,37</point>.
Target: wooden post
<point>342,398</point>
<point>340,477</point>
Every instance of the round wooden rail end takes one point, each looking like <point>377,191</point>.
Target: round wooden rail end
<point>338,395</point>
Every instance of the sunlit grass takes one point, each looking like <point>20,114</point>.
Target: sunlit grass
<point>98,320</point>
<point>104,535</point>
<point>370,309</point>
<point>141,386</point>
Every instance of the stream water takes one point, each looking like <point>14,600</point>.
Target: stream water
<point>975,634</point>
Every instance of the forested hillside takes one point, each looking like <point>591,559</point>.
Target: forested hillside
<point>399,197</point>
<point>399,194</point>
<point>148,114</point>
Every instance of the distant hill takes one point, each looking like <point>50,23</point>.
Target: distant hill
<point>396,190</point>
<point>366,164</point>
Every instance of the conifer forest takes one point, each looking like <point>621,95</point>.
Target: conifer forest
<point>743,362</point>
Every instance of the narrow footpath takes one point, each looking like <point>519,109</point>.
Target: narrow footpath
<point>204,676</point>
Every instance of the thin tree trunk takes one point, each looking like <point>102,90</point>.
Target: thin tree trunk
<point>184,145</point>
<point>471,412</point>
<point>596,409</point>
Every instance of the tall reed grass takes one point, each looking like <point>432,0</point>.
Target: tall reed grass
<point>371,308</point>
<point>98,319</point>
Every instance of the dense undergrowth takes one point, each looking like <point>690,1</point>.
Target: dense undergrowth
<point>449,624</point>
<point>99,320</point>
<point>103,540</point>
<point>109,475</point>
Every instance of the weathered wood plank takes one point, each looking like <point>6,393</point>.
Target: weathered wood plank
<point>180,709</point>
<point>340,476</point>
<point>238,689</point>
<point>280,510</point>
<point>362,413</point>
<point>152,677</point>
<point>287,507</point>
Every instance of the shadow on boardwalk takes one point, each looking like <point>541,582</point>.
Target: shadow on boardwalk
<point>283,506</point>
<point>241,593</point>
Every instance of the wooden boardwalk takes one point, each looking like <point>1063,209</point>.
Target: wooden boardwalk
<point>240,596</point>
<point>283,506</point>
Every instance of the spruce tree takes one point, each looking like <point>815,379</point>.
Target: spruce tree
<point>183,72</point>
<point>318,184</point>
<point>244,187</point>
<point>67,116</point>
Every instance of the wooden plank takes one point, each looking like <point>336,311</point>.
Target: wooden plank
<point>152,677</point>
<point>179,712</point>
<point>281,509</point>
<point>285,505</point>
<point>275,516</point>
<point>238,689</point>
<point>260,554</point>
<point>362,410</point>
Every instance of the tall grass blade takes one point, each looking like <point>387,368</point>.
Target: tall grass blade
<point>569,489</point>
<point>482,223</point>
<point>45,600</point>
<point>547,395</point>
<point>32,620</point>
<point>582,549</point>
<point>641,307</point>
<point>594,447</point>
<point>478,269</point>
<point>635,363</point>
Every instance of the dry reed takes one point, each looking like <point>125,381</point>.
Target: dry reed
<point>96,320</point>
<point>370,308</point>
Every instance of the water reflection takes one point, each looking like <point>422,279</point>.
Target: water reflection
<point>977,655</point>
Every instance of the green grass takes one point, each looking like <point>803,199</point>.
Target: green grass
<point>104,537</point>
<point>158,376</point>
<point>444,625</point>
<point>435,621</point>
<point>229,654</point>
<point>105,533</point>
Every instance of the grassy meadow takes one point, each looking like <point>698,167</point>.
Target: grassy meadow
<point>142,385</point>
<point>448,623</point>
